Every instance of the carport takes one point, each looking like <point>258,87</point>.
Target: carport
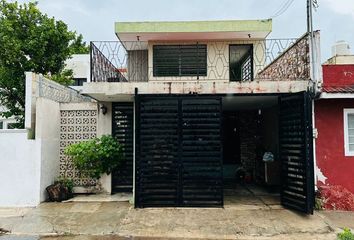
<point>179,149</point>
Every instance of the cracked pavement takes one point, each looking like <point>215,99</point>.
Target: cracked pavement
<point>119,220</point>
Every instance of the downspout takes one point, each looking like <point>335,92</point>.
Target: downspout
<point>314,78</point>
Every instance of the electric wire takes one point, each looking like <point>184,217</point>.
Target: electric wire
<point>283,8</point>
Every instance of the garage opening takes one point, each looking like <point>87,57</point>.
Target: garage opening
<point>204,151</point>
<point>251,166</point>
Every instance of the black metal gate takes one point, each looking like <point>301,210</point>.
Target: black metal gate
<point>179,152</point>
<point>122,129</point>
<point>296,152</point>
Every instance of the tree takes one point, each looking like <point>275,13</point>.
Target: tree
<point>31,41</point>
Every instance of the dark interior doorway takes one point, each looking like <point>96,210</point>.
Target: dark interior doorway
<point>251,130</point>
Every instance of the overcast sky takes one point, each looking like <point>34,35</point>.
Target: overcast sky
<point>95,18</point>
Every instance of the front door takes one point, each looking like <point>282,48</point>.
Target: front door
<point>122,130</point>
<point>178,151</point>
<point>296,152</point>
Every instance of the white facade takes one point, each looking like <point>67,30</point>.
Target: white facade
<point>80,64</point>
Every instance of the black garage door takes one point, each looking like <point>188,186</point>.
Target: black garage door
<point>296,152</point>
<point>178,151</point>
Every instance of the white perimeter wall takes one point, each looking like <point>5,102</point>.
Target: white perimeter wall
<point>28,166</point>
<point>20,169</point>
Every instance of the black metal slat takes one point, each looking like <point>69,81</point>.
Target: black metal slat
<point>295,152</point>
<point>180,60</point>
<point>179,163</point>
<point>202,181</point>
<point>122,129</point>
<point>158,152</point>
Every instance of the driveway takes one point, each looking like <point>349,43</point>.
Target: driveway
<point>119,220</point>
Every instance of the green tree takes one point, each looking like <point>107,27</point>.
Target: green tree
<point>31,41</point>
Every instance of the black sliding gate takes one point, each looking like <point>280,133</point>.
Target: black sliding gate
<point>296,152</point>
<point>179,151</point>
<point>122,129</point>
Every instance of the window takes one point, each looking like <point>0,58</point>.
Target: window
<point>11,126</point>
<point>241,62</point>
<point>1,124</point>
<point>349,132</point>
<point>79,81</point>
<point>179,60</point>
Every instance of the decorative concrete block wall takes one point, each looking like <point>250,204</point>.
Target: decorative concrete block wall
<point>78,122</point>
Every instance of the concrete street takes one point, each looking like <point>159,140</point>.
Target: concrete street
<point>119,220</point>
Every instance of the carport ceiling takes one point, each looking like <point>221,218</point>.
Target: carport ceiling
<point>232,103</point>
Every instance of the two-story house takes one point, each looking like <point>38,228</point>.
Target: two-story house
<point>198,104</point>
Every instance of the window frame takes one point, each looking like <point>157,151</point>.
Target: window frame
<point>252,62</point>
<point>180,64</point>
<point>346,112</point>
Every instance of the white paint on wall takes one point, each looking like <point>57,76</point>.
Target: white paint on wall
<point>47,133</point>
<point>320,176</point>
<point>28,166</point>
<point>20,169</point>
<point>80,64</point>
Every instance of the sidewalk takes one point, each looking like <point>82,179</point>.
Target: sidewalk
<point>117,220</point>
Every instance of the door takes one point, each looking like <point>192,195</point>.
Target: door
<point>122,129</point>
<point>296,152</point>
<point>178,151</point>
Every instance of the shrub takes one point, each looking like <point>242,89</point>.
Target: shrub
<point>346,235</point>
<point>66,182</point>
<point>97,156</point>
<point>337,198</point>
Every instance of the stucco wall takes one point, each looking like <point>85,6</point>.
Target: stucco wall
<point>338,75</point>
<point>47,133</point>
<point>217,60</point>
<point>28,166</point>
<point>20,169</point>
<point>104,127</point>
<point>334,168</point>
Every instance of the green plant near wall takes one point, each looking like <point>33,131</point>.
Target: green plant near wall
<point>346,235</point>
<point>94,157</point>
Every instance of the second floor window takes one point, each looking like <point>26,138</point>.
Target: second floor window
<point>180,60</point>
<point>241,62</point>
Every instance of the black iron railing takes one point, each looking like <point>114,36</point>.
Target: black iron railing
<point>115,61</point>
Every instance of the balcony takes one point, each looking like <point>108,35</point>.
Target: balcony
<point>225,61</point>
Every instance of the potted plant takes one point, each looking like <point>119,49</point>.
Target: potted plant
<point>61,190</point>
<point>97,156</point>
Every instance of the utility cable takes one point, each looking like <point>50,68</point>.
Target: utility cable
<point>283,8</point>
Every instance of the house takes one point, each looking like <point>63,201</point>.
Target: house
<point>202,105</point>
<point>80,65</point>
<point>334,119</point>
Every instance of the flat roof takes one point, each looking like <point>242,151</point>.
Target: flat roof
<point>226,29</point>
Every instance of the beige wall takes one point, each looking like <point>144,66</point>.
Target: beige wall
<point>218,60</point>
<point>104,127</point>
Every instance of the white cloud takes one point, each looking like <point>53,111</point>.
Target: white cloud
<point>345,7</point>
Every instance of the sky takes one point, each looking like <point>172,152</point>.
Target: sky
<point>95,18</point>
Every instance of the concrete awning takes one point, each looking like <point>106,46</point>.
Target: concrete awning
<point>193,30</point>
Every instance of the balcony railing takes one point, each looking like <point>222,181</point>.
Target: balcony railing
<point>271,59</point>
